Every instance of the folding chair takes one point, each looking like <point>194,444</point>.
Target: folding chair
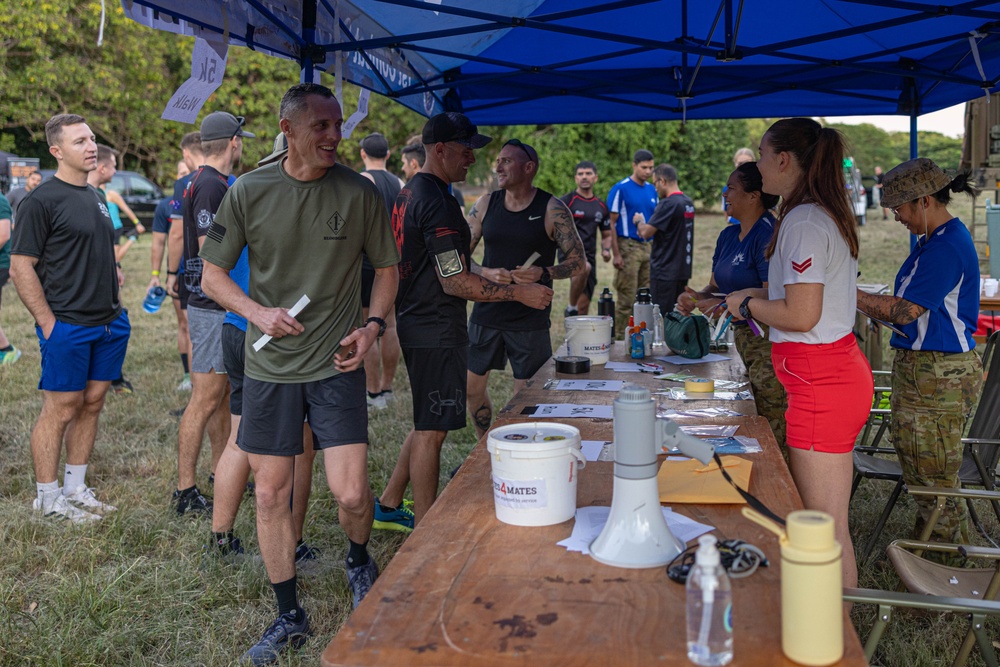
<point>932,586</point>
<point>979,457</point>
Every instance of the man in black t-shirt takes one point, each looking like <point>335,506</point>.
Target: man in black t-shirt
<point>382,358</point>
<point>208,409</point>
<point>63,263</point>
<point>589,213</point>
<point>434,285</point>
<point>514,222</point>
<point>672,229</point>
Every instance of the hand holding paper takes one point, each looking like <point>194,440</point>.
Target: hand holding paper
<point>281,323</point>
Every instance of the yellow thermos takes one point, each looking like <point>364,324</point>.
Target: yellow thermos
<point>812,594</point>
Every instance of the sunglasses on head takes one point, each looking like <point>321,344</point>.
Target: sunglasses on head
<point>524,147</point>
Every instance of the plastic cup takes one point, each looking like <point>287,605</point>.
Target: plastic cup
<point>990,287</point>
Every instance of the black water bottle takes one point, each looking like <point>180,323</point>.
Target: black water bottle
<point>606,306</point>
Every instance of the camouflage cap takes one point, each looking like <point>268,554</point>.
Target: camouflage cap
<point>911,180</point>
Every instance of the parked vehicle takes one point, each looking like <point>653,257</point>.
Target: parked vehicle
<point>855,190</point>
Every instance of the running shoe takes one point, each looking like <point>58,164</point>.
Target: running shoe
<point>398,519</point>
<point>122,387</point>
<point>361,579</point>
<point>9,356</point>
<point>185,384</point>
<point>376,402</point>
<point>227,546</point>
<point>570,311</point>
<point>61,509</point>
<point>305,553</point>
<point>285,632</point>
<point>192,502</point>
<point>83,497</point>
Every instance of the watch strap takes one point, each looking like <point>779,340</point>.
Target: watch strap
<point>380,322</point>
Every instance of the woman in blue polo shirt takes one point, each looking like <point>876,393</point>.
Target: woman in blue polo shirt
<point>936,375</point>
<point>739,263</point>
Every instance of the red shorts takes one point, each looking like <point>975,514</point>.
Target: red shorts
<point>829,389</point>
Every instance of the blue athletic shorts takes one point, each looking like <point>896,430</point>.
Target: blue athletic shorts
<point>75,354</point>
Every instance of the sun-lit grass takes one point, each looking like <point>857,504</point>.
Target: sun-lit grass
<point>136,589</point>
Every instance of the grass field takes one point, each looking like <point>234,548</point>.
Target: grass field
<point>137,590</point>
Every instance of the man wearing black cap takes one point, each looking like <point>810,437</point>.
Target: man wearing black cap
<point>435,282</point>
<point>382,358</point>
<point>515,222</point>
<point>222,145</point>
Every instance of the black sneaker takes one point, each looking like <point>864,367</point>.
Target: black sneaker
<point>285,632</point>
<point>122,387</point>
<point>228,545</point>
<point>570,311</point>
<point>305,553</point>
<point>191,501</point>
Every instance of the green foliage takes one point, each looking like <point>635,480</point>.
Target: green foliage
<point>700,150</point>
<point>872,146</point>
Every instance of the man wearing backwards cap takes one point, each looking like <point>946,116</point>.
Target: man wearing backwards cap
<point>222,145</point>
<point>936,374</point>
<point>306,220</point>
<point>435,284</point>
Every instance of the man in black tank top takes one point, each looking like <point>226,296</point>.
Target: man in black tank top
<point>514,222</point>
<point>382,358</point>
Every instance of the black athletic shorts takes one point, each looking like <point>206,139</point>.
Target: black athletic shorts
<point>234,358</point>
<point>490,348</point>
<point>273,414</point>
<point>4,277</point>
<point>437,381</point>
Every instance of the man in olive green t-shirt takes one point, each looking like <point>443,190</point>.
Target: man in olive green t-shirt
<point>306,221</point>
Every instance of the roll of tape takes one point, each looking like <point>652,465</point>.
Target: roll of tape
<point>573,365</point>
<point>699,385</point>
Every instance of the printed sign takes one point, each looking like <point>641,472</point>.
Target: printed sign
<point>208,65</point>
<point>528,494</point>
<point>348,127</point>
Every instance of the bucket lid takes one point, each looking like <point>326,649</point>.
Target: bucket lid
<point>592,320</point>
<point>534,436</point>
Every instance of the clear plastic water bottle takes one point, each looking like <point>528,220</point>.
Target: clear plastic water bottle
<point>709,608</point>
<point>659,342</point>
<point>154,297</point>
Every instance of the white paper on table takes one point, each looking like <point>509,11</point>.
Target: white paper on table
<point>623,366</point>
<point>293,311</point>
<point>588,385</point>
<point>683,361</point>
<point>592,449</point>
<point>572,410</point>
<point>590,522</point>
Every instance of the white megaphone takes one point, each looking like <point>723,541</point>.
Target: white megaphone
<point>636,535</point>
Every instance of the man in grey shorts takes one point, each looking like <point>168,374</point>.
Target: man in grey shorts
<point>306,220</point>
<point>222,144</point>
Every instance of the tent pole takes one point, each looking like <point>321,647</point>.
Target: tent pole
<point>913,135</point>
<point>308,72</point>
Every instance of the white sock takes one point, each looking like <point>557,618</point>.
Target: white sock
<point>47,492</point>
<point>74,477</point>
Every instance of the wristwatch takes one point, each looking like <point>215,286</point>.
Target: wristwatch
<point>545,274</point>
<point>380,322</point>
<point>745,308</point>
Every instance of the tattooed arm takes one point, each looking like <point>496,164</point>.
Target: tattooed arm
<point>560,227</point>
<point>888,308</point>
<point>457,281</point>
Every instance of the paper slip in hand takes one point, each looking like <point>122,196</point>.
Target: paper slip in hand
<point>590,522</point>
<point>531,260</point>
<point>293,311</point>
<point>694,482</point>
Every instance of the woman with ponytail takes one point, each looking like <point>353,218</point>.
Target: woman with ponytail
<point>809,303</point>
<point>936,375</point>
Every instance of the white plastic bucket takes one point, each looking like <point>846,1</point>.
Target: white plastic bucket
<point>589,336</point>
<point>534,472</point>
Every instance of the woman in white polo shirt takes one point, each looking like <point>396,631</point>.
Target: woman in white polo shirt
<point>936,374</point>
<point>810,305</point>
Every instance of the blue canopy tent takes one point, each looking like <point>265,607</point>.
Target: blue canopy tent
<point>575,61</point>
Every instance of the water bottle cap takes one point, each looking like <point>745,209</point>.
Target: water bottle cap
<point>810,530</point>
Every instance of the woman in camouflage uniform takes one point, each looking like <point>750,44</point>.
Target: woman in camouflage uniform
<point>739,263</point>
<point>936,375</point>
